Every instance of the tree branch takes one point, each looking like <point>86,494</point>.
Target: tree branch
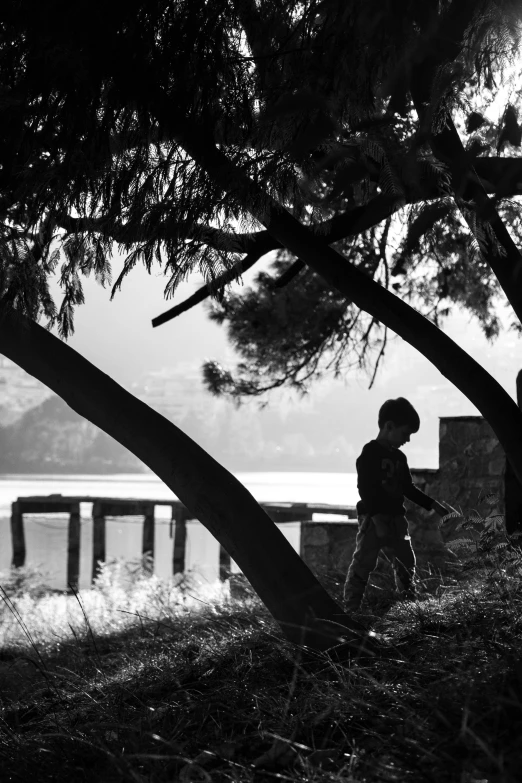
<point>501,177</point>
<point>454,363</point>
<point>206,290</point>
<point>350,223</point>
<point>447,146</point>
<point>290,274</point>
<point>130,233</point>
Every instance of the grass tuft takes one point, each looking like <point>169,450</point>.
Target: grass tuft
<point>144,680</point>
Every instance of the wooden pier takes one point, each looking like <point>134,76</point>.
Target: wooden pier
<point>116,507</point>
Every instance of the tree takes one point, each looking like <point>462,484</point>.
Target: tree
<point>215,496</point>
<point>160,127</point>
<point>435,263</point>
<point>440,48</point>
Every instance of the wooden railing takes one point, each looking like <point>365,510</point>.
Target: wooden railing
<point>115,507</point>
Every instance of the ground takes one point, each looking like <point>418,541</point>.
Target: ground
<point>162,683</point>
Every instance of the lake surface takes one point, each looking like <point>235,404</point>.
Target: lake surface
<point>46,535</point>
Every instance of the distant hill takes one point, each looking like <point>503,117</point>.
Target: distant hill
<point>52,438</point>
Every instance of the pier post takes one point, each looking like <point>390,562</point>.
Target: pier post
<point>73,547</point>
<point>147,546</point>
<point>180,537</point>
<point>98,537</point>
<point>17,535</point>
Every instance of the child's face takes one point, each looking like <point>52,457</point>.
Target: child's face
<point>395,435</point>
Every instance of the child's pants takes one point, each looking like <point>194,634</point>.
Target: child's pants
<point>391,533</point>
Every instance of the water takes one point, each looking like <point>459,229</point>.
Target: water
<point>46,535</point>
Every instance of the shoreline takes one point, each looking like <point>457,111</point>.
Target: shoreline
<point>108,476</point>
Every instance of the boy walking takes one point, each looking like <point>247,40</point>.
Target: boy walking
<point>383,480</point>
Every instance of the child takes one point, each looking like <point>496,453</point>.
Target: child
<point>383,479</point>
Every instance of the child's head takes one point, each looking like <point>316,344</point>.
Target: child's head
<point>398,419</point>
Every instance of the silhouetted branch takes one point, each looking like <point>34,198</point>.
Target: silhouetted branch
<point>207,290</point>
<point>499,176</point>
<point>355,221</point>
<point>290,273</point>
<point>128,233</point>
<point>482,216</point>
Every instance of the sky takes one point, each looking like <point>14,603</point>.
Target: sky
<point>118,338</point>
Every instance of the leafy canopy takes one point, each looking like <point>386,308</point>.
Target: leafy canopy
<point>312,99</point>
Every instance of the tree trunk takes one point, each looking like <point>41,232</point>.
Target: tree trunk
<point>497,407</point>
<point>216,498</point>
<point>505,259</point>
<point>513,488</point>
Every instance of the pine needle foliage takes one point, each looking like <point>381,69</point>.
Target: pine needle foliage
<point>482,541</point>
<point>310,99</point>
<point>285,336</point>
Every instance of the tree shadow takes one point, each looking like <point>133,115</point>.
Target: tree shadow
<point>159,688</point>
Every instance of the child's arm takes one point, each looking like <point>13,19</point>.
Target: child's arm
<point>419,497</point>
<point>439,509</point>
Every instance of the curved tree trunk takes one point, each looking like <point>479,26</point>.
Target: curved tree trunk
<point>216,498</point>
<point>512,487</point>
<point>497,407</point>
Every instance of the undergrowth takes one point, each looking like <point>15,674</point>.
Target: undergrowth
<point>177,681</point>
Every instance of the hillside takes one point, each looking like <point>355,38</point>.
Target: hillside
<point>52,438</point>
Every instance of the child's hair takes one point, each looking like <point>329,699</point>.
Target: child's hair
<point>401,412</point>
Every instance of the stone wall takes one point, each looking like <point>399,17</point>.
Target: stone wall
<point>471,464</point>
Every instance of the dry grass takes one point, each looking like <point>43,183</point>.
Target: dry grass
<point>165,682</point>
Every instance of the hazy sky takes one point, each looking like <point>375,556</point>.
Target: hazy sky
<point>118,337</point>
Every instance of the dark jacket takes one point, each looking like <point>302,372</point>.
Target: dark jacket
<point>384,479</point>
